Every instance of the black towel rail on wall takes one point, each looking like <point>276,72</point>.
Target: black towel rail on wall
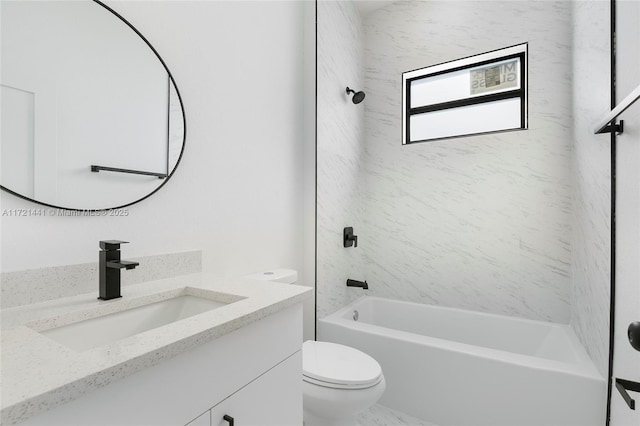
<point>97,169</point>
<point>605,126</point>
<point>627,385</point>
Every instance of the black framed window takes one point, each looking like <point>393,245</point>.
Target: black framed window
<point>479,94</point>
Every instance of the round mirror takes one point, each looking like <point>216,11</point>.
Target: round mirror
<point>91,118</point>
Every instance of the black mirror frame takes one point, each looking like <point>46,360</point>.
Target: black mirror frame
<point>184,126</point>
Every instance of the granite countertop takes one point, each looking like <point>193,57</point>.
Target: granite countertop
<point>37,373</point>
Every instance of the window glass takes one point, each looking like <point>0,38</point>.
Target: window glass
<point>479,94</point>
<point>467,120</point>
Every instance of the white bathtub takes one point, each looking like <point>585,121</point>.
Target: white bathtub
<point>456,367</point>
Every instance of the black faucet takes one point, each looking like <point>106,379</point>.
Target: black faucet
<point>356,283</point>
<point>109,269</point>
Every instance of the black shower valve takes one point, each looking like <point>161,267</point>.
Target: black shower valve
<point>348,239</point>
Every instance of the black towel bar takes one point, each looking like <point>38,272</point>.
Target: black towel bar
<point>627,385</point>
<point>96,169</point>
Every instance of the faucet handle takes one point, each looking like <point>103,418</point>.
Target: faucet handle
<point>109,245</point>
<point>348,239</point>
<point>123,264</point>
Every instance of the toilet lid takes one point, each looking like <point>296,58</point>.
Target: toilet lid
<point>338,366</point>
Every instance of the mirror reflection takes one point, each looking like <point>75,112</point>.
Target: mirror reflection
<point>79,89</point>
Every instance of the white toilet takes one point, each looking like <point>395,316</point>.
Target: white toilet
<point>338,381</point>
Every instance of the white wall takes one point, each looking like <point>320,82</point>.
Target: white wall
<point>591,218</point>
<point>626,364</point>
<point>238,193</point>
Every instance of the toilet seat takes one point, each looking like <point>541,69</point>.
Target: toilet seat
<point>339,367</point>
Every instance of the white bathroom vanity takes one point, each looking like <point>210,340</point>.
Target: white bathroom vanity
<point>234,359</point>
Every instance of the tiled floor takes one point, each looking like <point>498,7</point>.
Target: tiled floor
<point>379,415</point>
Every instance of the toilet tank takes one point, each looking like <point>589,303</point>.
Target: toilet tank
<point>286,276</point>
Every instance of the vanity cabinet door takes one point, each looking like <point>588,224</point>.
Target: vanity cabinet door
<point>203,420</point>
<point>272,399</point>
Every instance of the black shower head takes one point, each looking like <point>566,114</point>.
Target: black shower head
<point>357,96</point>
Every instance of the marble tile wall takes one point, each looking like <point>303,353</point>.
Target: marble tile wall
<point>591,217</point>
<point>480,222</point>
<point>340,152</point>
<point>39,285</point>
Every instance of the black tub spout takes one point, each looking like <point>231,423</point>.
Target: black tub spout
<point>356,283</point>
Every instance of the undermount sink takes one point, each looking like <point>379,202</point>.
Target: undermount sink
<point>104,329</point>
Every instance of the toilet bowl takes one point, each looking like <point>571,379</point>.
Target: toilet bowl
<point>338,381</point>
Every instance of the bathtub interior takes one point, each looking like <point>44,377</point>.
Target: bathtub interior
<point>550,341</point>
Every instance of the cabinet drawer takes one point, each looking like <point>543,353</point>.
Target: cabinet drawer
<point>273,399</point>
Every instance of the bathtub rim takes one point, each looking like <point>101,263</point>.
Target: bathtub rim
<point>584,367</point>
